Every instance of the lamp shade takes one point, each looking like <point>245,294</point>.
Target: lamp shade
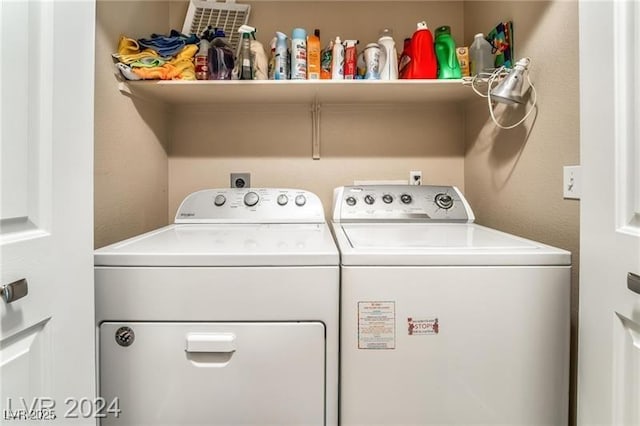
<point>513,88</point>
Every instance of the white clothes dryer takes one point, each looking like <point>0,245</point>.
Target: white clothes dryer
<point>227,317</point>
<point>444,321</point>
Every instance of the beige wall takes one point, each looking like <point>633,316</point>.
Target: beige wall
<point>513,178</point>
<point>358,142</point>
<point>131,135</point>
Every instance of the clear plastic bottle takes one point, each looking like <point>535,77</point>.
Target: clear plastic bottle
<point>480,55</point>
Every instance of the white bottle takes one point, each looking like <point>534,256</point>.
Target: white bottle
<point>389,70</point>
<point>299,54</point>
<point>337,60</point>
<point>480,55</point>
<point>281,61</point>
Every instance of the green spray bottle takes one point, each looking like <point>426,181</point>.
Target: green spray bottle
<point>445,47</point>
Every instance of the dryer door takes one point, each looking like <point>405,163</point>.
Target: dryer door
<point>212,373</point>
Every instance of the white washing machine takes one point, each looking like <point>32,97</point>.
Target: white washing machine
<point>227,317</point>
<point>444,321</point>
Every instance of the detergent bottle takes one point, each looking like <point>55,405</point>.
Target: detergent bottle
<point>423,62</point>
<point>445,46</point>
<point>389,70</point>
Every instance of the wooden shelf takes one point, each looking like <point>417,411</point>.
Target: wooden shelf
<point>300,91</point>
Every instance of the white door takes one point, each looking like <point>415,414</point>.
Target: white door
<point>46,210</point>
<point>609,337</point>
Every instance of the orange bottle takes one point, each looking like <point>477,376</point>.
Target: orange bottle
<point>313,56</point>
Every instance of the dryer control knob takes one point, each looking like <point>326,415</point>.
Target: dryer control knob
<point>369,199</point>
<point>444,201</point>
<point>351,201</point>
<point>301,200</point>
<point>282,200</point>
<point>387,198</point>
<point>406,198</point>
<point>251,199</point>
<point>219,200</point>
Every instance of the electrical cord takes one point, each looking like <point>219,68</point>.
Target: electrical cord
<point>490,79</point>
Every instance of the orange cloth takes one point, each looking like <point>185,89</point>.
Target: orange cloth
<point>179,68</point>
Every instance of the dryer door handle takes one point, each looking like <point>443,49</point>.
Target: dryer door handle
<point>211,342</point>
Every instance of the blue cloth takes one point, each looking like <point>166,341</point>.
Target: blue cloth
<point>168,45</point>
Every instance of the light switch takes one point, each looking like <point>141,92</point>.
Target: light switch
<point>572,183</point>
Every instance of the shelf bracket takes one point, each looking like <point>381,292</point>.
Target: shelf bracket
<point>315,129</point>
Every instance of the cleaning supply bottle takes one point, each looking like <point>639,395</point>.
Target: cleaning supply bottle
<point>313,55</point>
<point>423,62</point>
<point>272,58</point>
<point>221,57</point>
<point>281,62</point>
<point>480,55</point>
<point>389,70</point>
<point>326,60</point>
<point>246,64</point>
<point>201,60</point>
<point>445,46</point>
<point>337,60</point>
<point>405,59</point>
<point>350,59</point>
<point>299,54</point>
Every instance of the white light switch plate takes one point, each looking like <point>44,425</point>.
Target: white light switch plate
<point>572,182</point>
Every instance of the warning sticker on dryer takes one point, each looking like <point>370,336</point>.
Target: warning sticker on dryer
<point>422,326</point>
<point>376,325</point>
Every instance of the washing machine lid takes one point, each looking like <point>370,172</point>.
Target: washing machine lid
<point>443,244</point>
<point>302,244</point>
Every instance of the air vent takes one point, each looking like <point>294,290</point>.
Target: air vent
<point>226,15</point>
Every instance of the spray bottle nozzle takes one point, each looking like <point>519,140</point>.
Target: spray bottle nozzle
<point>247,29</point>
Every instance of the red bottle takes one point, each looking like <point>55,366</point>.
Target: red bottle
<point>405,59</point>
<point>423,62</point>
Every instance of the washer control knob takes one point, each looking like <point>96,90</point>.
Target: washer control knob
<point>351,201</point>
<point>282,200</point>
<point>444,201</point>
<point>301,200</point>
<point>369,199</point>
<point>387,198</point>
<point>219,200</point>
<point>251,199</point>
<point>406,198</point>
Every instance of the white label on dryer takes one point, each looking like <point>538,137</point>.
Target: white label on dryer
<point>423,326</point>
<point>376,325</point>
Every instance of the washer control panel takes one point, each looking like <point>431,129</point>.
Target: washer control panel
<point>408,203</point>
<point>251,205</point>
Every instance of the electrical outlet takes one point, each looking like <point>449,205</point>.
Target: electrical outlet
<point>415,177</point>
<point>572,183</point>
<point>240,180</point>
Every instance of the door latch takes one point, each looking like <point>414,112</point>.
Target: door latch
<point>14,291</point>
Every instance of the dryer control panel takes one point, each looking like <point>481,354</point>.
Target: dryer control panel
<point>406,203</point>
<point>251,205</point>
